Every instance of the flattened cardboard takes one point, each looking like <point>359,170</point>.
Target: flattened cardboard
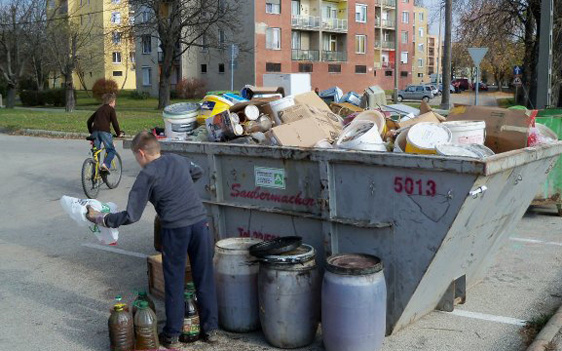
<point>506,130</point>
<point>425,108</point>
<point>344,109</point>
<point>311,99</point>
<point>326,120</point>
<point>431,117</point>
<point>302,133</point>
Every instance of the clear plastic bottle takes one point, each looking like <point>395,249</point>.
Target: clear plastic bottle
<point>143,296</point>
<point>121,331</point>
<point>146,328</point>
<point>191,328</point>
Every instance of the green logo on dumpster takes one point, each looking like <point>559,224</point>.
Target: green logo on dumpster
<point>270,177</point>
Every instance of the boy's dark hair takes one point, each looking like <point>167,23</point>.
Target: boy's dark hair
<point>108,98</point>
<point>146,142</point>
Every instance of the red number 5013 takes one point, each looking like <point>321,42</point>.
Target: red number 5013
<point>415,187</point>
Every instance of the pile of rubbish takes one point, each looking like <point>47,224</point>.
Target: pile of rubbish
<point>332,120</point>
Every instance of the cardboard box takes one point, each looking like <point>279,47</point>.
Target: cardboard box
<point>344,109</point>
<point>506,130</point>
<point>301,133</point>
<point>431,117</point>
<point>156,275</point>
<point>312,100</point>
<point>328,121</point>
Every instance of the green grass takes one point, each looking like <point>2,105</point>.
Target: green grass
<point>124,101</point>
<point>131,122</point>
<point>506,102</point>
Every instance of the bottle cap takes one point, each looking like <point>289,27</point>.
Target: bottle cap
<point>190,285</point>
<point>118,298</point>
<point>119,307</point>
<point>188,294</point>
<point>142,293</point>
<point>142,304</point>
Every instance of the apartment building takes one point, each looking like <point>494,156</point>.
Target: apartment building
<point>420,46</point>
<point>107,51</point>
<point>432,54</point>
<point>345,43</point>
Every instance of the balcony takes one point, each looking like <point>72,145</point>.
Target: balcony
<point>305,55</point>
<point>305,22</point>
<point>389,3</point>
<point>388,23</point>
<point>377,22</point>
<point>333,56</point>
<point>334,24</point>
<point>388,45</point>
<point>388,65</point>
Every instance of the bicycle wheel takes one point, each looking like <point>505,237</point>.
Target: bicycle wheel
<point>90,183</point>
<point>113,179</point>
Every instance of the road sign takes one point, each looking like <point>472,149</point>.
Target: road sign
<point>517,82</point>
<point>517,70</point>
<point>477,54</point>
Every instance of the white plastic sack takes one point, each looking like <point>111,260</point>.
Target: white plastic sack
<point>76,209</point>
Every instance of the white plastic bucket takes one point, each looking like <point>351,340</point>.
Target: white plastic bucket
<point>457,150</point>
<point>467,132</point>
<point>424,137</point>
<point>361,135</point>
<point>373,116</point>
<point>279,105</point>
<point>180,119</point>
<point>401,141</point>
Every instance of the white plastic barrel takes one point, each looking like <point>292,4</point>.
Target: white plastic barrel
<point>180,120</point>
<point>236,275</point>
<point>467,132</point>
<point>353,303</point>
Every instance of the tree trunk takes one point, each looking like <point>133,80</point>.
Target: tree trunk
<point>11,97</point>
<point>70,101</point>
<point>164,91</point>
<point>445,98</point>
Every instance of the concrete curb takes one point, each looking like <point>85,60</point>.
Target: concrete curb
<point>44,133</point>
<point>548,333</point>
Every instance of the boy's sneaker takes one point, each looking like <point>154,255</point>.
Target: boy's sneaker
<point>104,168</point>
<point>169,342</point>
<point>211,337</point>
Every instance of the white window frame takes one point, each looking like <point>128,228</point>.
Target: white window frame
<point>146,77</point>
<point>404,57</point>
<point>360,13</point>
<point>360,48</point>
<point>420,62</point>
<point>404,37</point>
<point>116,57</point>
<point>145,16</point>
<point>421,47</point>
<point>116,17</point>
<point>405,17</point>
<point>421,32</point>
<point>421,17</point>
<point>296,38</point>
<point>144,47</point>
<point>115,2</point>
<point>273,7</point>
<point>270,43</point>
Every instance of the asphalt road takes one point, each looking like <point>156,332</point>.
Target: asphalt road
<point>56,292</point>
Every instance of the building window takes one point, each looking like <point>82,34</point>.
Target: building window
<point>404,37</point>
<point>272,67</point>
<point>273,38</point>
<point>116,57</point>
<point>222,37</point>
<point>146,43</point>
<point>420,47</point>
<point>420,62</point>
<point>360,13</point>
<point>115,2</point>
<point>132,56</point>
<point>388,73</point>
<point>405,1</point>
<point>375,72</point>
<point>334,68</point>
<point>204,68</point>
<point>146,76</point>
<point>145,16</point>
<point>116,38</point>
<point>116,17</point>
<point>360,69</point>
<point>305,67</point>
<point>421,17</point>
<point>403,74</point>
<point>404,57</point>
<point>221,67</point>
<point>420,75</point>
<point>296,40</point>
<point>421,32</point>
<point>405,17</point>
<point>360,43</point>
<point>273,7</point>
<point>117,73</point>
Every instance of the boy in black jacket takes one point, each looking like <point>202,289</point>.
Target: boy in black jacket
<point>167,182</point>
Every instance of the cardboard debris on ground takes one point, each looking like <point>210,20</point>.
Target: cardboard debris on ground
<point>344,109</point>
<point>506,130</point>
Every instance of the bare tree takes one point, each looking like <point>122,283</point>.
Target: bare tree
<point>180,25</point>
<point>16,20</point>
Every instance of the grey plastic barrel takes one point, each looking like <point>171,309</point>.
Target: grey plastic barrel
<point>289,298</point>
<point>236,273</point>
<point>353,303</point>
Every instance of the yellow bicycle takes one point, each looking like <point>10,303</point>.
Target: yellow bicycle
<point>93,177</point>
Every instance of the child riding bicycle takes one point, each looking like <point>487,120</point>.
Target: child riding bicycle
<point>100,129</point>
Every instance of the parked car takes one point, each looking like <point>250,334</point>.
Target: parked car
<point>416,92</point>
<point>451,89</point>
<point>482,86</point>
<point>434,90</point>
<point>462,83</point>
